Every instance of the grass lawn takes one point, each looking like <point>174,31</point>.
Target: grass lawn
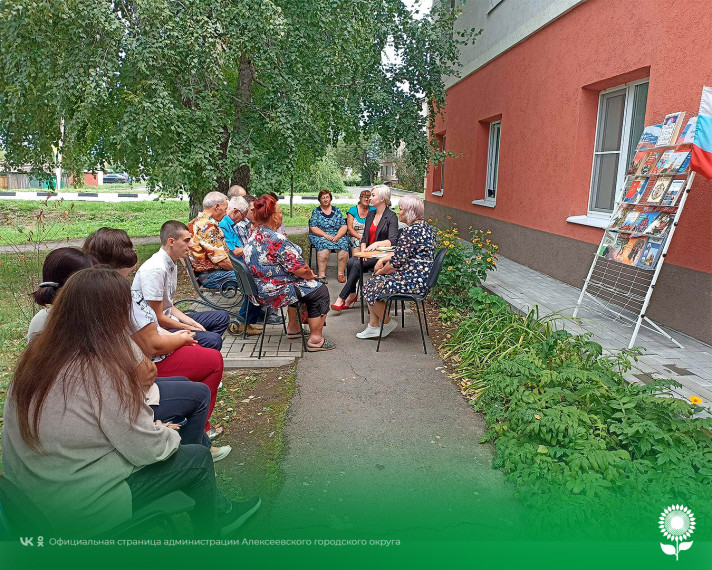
<point>24,221</point>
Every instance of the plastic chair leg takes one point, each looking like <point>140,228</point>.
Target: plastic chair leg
<point>284,321</point>
<point>402,313</point>
<point>420,322</point>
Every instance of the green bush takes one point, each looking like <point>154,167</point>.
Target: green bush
<point>353,180</point>
<point>581,441</point>
<point>465,265</point>
<point>325,173</point>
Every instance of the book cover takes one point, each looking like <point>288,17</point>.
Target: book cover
<point>632,250</point>
<point>664,164</point>
<point>687,136</point>
<point>649,138</point>
<point>629,222</point>
<point>646,167</point>
<point>673,193</point>
<point>644,221</point>
<point>658,190</point>
<point>649,255</point>
<point>618,216</point>
<point>641,190</point>
<point>638,160</point>
<point>685,164</point>
<point>615,252</point>
<point>608,240</point>
<point>660,227</point>
<point>632,191</point>
<point>671,128</point>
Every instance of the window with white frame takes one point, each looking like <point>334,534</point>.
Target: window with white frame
<point>442,168</point>
<point>621,116</point>
<point>493,161</point>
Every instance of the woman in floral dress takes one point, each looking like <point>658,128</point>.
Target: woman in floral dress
<point>327,233</point>
<point>406,270</point>
<point>282,276</point>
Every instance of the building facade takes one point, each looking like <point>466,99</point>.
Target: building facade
<point>544,119</point>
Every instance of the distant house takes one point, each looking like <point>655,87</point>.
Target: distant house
<point>544,120</point>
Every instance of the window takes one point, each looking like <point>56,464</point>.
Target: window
<point>621,114</point>
<point>493,161</point>
<point>442,169</point>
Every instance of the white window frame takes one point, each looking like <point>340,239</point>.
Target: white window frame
<point>493,152</point>
<point>441,190</point>
<point>597,216</point>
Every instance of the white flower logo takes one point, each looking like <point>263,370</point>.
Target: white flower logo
<point>676,523</point>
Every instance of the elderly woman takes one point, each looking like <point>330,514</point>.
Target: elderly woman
<point>327,232</point>
<point>380,230</point>
<point>356,218</point>
<point>406,270</point>
<point>282,276</point>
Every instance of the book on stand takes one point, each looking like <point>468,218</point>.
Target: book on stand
<point>649,255</point>
<point>646,168</point>
<point>659,189</point>
<point>660,227</point>
<point>649,138</point>
<point>687,136</point>
<point>672,125</point>
<point>673,193</point>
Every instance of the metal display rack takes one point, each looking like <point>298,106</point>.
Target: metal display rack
<point>623,291</point>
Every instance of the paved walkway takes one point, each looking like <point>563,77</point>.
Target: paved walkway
<point>523,288</point>
<point>382,445</point>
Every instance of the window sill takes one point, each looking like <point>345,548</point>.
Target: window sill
<point>485,203</point>
<point>437,193</point>
<point>592,220</point>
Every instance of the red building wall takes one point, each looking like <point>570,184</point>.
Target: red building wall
<point>546,91</point>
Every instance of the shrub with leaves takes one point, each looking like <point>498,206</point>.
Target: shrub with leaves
<point>582,441</point>
<point>466,264</point>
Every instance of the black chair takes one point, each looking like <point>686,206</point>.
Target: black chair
<point>249,289</point>
<point>20,517</point>
<point>229,289</point>
<point>419,300</point>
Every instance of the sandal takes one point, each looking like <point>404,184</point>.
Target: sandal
<point>323,280</point>
<point>341,278</point>
<point>296,335</point>
<point>326,345</point>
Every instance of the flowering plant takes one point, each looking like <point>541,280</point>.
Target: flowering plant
<point>466,262</point>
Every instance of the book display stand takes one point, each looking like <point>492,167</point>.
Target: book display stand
<point>632,251</point>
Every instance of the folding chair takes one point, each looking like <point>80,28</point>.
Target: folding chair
<point>403,297</point>
<point>249,288</point>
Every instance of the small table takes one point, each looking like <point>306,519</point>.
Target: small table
<point>361,256</point>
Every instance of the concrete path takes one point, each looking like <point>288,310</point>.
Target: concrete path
<point>382,445</point>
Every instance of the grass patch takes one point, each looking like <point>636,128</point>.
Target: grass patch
<point>31,222</point>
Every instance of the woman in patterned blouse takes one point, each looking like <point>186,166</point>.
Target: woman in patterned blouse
<point>327,232</point>
<point>282,276</point>
<point>406,270</point>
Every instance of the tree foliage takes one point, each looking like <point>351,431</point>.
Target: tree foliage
<point>197,95</point>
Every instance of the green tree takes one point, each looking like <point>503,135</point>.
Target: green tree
<point>197,95</point>
<point>411,174</point>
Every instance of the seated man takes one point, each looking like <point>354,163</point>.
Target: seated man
<point>208,252</point>
<point>156,282</point>
<point>237,209</point>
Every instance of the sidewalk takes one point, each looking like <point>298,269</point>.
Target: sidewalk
<point>523,288</point>
<point>382,444</point>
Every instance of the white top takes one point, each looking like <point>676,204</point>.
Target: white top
<point>142,315</point>
<point>38,322</point>
<point>157,280</point>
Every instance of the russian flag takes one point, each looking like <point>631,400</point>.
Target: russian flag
<point>701,159</point>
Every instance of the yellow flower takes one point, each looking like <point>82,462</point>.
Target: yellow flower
<point>469,261</point>
<point>489,232</point>
<point>537,416</point>
<point>496,246</point>
<point>695,399</point>
<point>449,267</point>
<point>479,257</point>
<point>489,259</point>
<point>451,246</point>
<point>470,227</point>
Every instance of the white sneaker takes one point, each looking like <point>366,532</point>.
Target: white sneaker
<point>369,332</point>
<point>219,453</point>
<point>389,327</point>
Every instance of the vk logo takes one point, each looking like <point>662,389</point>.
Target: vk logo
<point>27,541</point>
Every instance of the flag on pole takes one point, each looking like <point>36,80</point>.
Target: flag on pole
<point>701,159</point>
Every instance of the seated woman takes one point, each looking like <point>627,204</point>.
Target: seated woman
<point>380,230</point>
<point>282,276</point>
<point>327,232</point>
<point>174,353</point>
<point>406,270</point>
<point>356,218</point>
<point>170,398</point>
<point>78,438</point>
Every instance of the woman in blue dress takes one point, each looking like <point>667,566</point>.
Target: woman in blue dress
<point>406,270</point>
<point>356,218</point>
<point>327,232</point>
